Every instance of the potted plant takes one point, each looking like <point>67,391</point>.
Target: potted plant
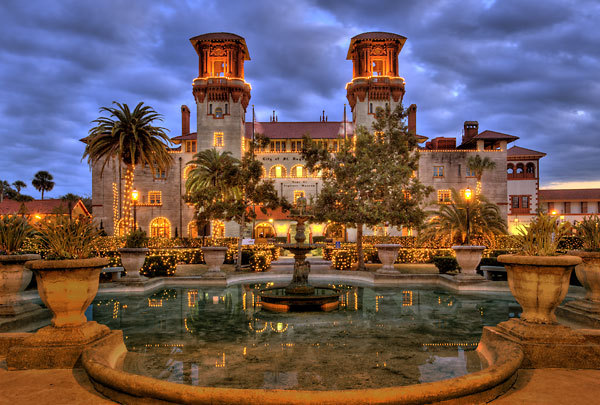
<point>14,277</point>
<point>133,255</point>
<point>67,282</point>
<point>538,277</point>
<point>588,272</point>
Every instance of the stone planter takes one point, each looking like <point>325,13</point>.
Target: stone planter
<point>539,284</point>
<point>132,260</point>
<point>588,274</point>
<point>14,278</point>
<point>468,258</point>
<point>388,253</point>
<point>214,256</point>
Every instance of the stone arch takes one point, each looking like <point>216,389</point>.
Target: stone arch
<point>277,172</point>
<point>530,169</point>
<point>264,230</point>
<point>520,168</point>
<point>187,170</point>
<point>298,171</point>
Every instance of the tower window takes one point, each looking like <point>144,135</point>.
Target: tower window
<point>219,68</point>
<point>370,108</point>
<point>218,140</point>
<point>438,171</point>
<point>226,109</point>
<point>190,146</point>
<point>210,109</point>
<point>155,197</point>
<point>218,112</point>
<point>377,67</point>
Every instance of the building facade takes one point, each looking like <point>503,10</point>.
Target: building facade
<point>222,96</point>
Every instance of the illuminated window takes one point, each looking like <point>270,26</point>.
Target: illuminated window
<point>296,146</point>
<point>298,171</point>
<point>160,174</point>
<point>190,146</point>
<point>471,173</point>
<point>218,140</point>
<point>333,146</point>
<point>444,196</point>
<point>192,229</point>
<point>219,68</point>
<point>218,112</point>
<point>155,197</point>
<point>278,146</point>
<point>298,194</point>
<point>277,171</point>
<point>188,169</point>
<point>264,230</point>
<point>160,227</point>
<point>438,171</point>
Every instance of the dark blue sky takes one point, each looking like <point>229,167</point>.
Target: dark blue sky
<point>527,68</point>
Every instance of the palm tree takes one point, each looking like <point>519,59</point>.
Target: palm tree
<point>131,138</point>
<point>18,184</point>
<point>205,182</point>
<point>70,199</point>
<point>478,165</point>
<point>449,223</point>
<point>42,181</point>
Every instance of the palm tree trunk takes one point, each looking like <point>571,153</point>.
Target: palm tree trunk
<point>127,198</point>
<point>238,264</point>
<point>478,188</point>
<point>42,194</point>
<point>359,248</point>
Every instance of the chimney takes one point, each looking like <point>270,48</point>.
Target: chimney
<point>471,129</point>
<point>185,120</point>
<point>412,119</point>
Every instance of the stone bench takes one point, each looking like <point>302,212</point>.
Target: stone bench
<point>489,270</point>
<point>116,272</point>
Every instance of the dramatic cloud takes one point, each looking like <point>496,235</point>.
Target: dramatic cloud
<point>526,68</point>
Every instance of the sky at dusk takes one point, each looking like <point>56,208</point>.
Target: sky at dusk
<point>526,68</point>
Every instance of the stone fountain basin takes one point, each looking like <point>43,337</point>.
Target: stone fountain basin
<point>103,364</point>
<point>272,301</point>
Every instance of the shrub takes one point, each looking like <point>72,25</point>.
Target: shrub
<point>159,265</point>
<point>343,259</point>
<point>318,239</point>
<point>542,236</point>
<point>445,263</point>
<point>66,238</point>
<point>14,231</point>
<point>136,239</point>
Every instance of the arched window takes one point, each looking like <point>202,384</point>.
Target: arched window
<point>520,168</point>
<point>192,229</point>
<point>334,231</point>
<point>120,228</point>
<point>530,169</point>
<point>264,230</point>
<point>298,171</point>
<point>160,227</point>
<point>277,172</point>
<point>218,112</point>
<point>187,170</point>
<point>510,168</point>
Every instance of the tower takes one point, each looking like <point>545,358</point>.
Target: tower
<point>220,91</point>
<point>375,81</point>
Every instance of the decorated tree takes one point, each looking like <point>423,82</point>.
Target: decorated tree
<point>478,166</point>
<point>372,179</point>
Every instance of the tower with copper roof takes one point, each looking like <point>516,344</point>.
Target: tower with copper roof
<point>375,80</point>
<point>220,91</point>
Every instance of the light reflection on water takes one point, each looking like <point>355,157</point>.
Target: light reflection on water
<point>379,337</point>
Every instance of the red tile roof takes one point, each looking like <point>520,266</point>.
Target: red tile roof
<point>277,214</point>
<point>44,207</point>
<point>187,137</point>
<point>295,130</point>
<point>221,36</point>
<point>487,134</point>
<point>517,151</point>
<point>377,35</point>
<point>581,194</point>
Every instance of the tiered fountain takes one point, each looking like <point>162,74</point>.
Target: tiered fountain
<point>299,295</point>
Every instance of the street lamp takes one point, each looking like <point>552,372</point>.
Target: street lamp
<point>468,196</point>
<point>134,197</point>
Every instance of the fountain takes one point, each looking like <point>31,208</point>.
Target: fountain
<point>299,295</point>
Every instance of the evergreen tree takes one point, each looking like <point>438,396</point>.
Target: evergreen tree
<point>372,179</point>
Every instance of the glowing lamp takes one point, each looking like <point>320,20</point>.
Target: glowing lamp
<point>468,194</point>
<point>37,216</point>
<point>135,195</point>
<point>553,212</point>
<point>271,220</point>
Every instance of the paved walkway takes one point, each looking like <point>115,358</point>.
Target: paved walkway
<point>72,387</point>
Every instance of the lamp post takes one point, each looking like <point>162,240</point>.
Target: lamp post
<point>468,195</point>
<point>134,197</point>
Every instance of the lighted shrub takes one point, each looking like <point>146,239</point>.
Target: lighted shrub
<point>343,259</point>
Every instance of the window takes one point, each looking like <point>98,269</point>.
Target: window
<point>218,112</point>
<point>298,171</point>
<point>370,108</point>
<point>584,207</point>
<point>278,146</point>
<point>160,227</point>
<point>155,197</point>
<point>210,109</point>
<point>520,168</point>
<point>567,207</point>
<point>550,207</point>
<point>444,196</point>
<point>190,146</point>
<point>264,230</point>
<point>160,175</point>
<point>333,146</point>
<point>510,169</point>
<point>296,146</point>
<point>524,202</point>
<point>219,68</point>
<point>277,171</point>
<point>530,169</point>
<point>377,67</point>
<point>514,201</point>
<point>471,173</point>
<point>298,194</point>
<point>226,109</point>
<point>218,140</point>
<point>438,171</point>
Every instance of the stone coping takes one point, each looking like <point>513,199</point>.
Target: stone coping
<point>564,260</point>
<point>19,258</point>
<point>214,248</point>
<point>468,247</point>
<point>134,250</point>
<point>387,245</point>
<point>67,264</point>
<point>103,361</point>
<point>588,254</point>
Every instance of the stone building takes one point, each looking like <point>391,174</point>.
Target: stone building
<point>222,96</point>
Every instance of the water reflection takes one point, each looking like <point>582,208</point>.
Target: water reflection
<point>379,337</point>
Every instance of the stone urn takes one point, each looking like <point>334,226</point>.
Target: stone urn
<point>588,274</point>
<point>387,253</point>
<point>539,284</point>
<point>214,256</point>
<point>14,278</point>
<point>67,287</point>
<point>132,260</point>
<point>468,258</point>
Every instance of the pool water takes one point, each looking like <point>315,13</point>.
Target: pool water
<point>219,337</point>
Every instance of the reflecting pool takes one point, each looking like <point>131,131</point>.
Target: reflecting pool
<point>379,337</point>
